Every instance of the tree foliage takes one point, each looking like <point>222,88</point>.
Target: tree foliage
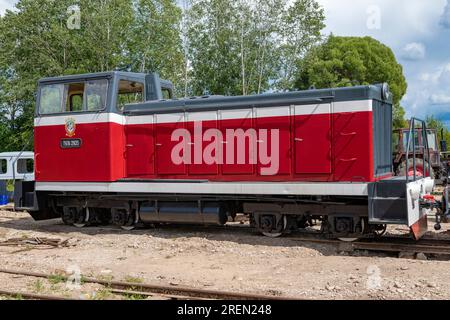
<point>350,61</point>
<point>36,42</point>
<point>245,47</point>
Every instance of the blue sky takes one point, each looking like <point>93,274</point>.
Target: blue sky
<point>418,31</point>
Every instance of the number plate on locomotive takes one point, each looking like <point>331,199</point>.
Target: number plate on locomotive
<point>71,143</point>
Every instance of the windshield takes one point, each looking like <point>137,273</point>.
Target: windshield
<point>406,138</point>
<point>432,141</point>
<point>73,97</point>
<point>431,136</point>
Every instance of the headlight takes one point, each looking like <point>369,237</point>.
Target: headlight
<point>385,92</point>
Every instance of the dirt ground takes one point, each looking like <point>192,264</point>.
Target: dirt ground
<point>235,260</point>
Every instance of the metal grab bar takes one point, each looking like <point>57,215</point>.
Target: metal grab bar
<point>412,136</point>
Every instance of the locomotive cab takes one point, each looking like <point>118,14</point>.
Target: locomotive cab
<point>99,92</point>
<point>79,117</point>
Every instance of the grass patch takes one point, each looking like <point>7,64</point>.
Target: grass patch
<point>134,297</point>
<point>103,294</point>
<point>107,278</point>
<point>56,279</point>
<point>38,286</point>
<point>131,279</point>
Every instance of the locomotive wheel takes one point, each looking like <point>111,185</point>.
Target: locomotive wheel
<point>352,239</point>
<point>267,228</point>
<point>125,219</point>
<point>380,230</point>
<point>82,218</point>
<point>348,239</point>
<point>77,217</point>
<point>68,215</point>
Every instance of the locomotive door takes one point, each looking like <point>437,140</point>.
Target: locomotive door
<point>166,125</point>
<point>312,139</point>
<point>140,150</point>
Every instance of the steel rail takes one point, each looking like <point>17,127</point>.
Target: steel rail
<point>32,296</point>
<point>394,244</point>
<point>186,292</point>
<point>148,294</point>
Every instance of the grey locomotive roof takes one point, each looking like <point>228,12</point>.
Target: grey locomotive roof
<point>233,102</point>
<point>262,100</point>
<point>92,76</point>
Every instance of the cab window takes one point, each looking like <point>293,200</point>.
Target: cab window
<point>395,142</point>
<point>73,97</point>
<point>52,98</point>
<point>129,92</point>
<point>3,166</point>
<point>431,136</point>
<point>406,138</point>
<point>74,93</point>
<point>25,166</point>
<point>167,94</point>
<point>76,102</point>
<point>96,95</point>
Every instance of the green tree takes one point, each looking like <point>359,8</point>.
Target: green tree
<point>245,47</point>
<point>350,61</point>
<point>213,50</point>
<point>155,44</point>
<point>301,30</point>
<point>36,41</point>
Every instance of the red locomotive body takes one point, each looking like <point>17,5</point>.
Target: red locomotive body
<point>118,146</point>
<point>313,145</point>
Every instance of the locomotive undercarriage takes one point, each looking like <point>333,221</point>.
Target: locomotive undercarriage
<point>334,217</point>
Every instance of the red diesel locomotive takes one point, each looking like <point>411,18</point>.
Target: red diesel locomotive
<point>118,147</point>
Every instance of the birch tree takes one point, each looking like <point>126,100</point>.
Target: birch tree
<point>250,46</point>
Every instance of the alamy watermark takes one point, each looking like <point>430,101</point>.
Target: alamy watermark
<point>235,146</point>
<point>74,279</point>
<point>374,17</point>
<point>74,19</point>
<point>374,280</point>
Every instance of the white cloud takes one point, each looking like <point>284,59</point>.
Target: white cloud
<point>6,5</point>
<point>402,21</point>
<point>414,51</point>
<point>428,93</point>
<point>439,99</point>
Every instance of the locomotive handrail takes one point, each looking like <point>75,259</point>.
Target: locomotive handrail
<point>412,136</point>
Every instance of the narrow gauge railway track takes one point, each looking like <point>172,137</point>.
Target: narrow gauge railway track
<point>149,290</point>
<point>386,244</point>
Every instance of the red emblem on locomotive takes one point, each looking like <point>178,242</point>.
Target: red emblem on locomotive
<point>71,126</point>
